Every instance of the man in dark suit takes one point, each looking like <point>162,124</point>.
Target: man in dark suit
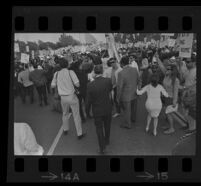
<point>99,96</point>
<point>128,80</point>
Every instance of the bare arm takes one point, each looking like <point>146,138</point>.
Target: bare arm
<point>164,92</point>
<point>142,91</point>
<point>176,90</point>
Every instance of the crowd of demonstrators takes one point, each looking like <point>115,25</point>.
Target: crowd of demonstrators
<point>84,84</point>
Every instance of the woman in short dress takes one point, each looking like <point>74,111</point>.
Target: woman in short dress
<point>153,103</point>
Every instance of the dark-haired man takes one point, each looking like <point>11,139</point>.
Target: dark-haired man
<point>128,80</point>
<point>37,76</point>
<point>99,96</point>
<point>65,81</point>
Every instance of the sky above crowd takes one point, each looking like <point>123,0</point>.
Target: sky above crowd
<point>54,37</point>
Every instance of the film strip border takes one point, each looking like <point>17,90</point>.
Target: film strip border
<point>105,168</point>
<point>110,19</point>
<point>114,23</point>
<point>124,169</point>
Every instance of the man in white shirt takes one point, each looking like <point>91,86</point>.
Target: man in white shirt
<point>65,80</point>
<point>27,85</point>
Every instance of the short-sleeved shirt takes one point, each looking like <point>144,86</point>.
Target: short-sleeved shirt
<point>23,77</point>
<point>65,81</point>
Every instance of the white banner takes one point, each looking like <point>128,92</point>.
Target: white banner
<point>167,34</point>
<point>24,58</point>
<point>185,45</point>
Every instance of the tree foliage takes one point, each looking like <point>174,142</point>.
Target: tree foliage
<point>66,40</point>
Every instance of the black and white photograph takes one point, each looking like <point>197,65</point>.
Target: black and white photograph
<point>125,94</point>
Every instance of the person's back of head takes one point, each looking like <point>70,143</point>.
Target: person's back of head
<point>26,67</point>
<point>154,80</point>
<point>35,66</point>
<point>63,63</point>
<point>98,69</point>
<point>124,60</point>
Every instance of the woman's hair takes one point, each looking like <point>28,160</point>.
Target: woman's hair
<point>154,80</point>
<point>63,63</point>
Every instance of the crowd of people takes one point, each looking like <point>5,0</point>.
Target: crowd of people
<point>91,87</point>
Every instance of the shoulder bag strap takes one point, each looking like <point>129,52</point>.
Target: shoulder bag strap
<point>71,78</point>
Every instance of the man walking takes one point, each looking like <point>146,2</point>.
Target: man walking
<point>37,76</point>
<point>27,85</point>
<point>128,80</point>
<point>65,80</point>
<point>99,95</point>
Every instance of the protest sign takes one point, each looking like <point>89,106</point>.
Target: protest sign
<point>17,49</point>
<point>171,42</point>
<point>24,58</point>
<point>27,48</point>
<point>32,54</point>
<point>167,34</point>
<point>185,45</point>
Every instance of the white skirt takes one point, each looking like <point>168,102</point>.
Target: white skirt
<point>153,107</point>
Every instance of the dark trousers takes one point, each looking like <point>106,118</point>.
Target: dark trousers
<point>81,98</point>
<point>42,93</point>
<point>103,124</point>
<point>27,91</point>
<point>129,111</point>
<point>48,85</point>
<point>117,105</point>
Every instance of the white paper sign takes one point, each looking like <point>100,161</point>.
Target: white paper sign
<point>17,49</point>
<point>27,48</point>
<point>185,45</point>
<point>32,54</point>
<point>171,42</point>
<point>24,58</point>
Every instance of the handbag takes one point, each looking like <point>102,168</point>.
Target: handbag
<point>77,92</point>
<point>56,93</point>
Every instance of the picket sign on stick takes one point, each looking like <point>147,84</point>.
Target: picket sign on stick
<point>17,49</point>
<point>24,58</point>
<point>185,45</point>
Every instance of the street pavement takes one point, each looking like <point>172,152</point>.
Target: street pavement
<point>46,125</point>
